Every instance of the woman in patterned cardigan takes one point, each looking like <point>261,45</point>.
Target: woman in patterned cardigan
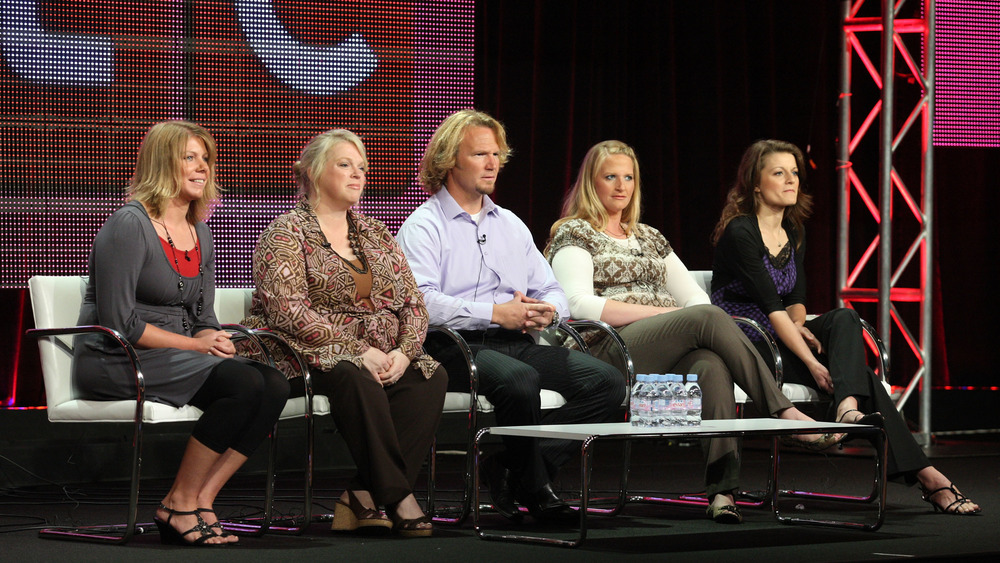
<point>335,284</point>
<point>618,270</point>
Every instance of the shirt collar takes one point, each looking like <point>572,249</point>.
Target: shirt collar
<point>452,209</point>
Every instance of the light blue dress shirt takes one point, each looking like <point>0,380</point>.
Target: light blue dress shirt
<point>464,268</point>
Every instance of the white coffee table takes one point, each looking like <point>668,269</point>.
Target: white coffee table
<point>587,434</point>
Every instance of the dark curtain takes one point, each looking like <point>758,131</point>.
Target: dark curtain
<point>689,85</point>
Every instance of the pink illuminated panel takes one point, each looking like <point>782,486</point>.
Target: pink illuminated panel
<point>81,81</point>
<point>967,93</point>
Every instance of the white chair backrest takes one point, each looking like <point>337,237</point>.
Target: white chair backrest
<point>704,279</point>
<point>56,302</point>
<point>232,304</point>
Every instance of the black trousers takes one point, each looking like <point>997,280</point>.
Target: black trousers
<point>388,430</point>
<point>512,370</point>
<point>839,331</point>
<point>241,400</point>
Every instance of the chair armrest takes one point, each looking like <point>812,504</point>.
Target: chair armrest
<point>118,338</point>
<point>880,352</point>
<point>296,357</point>
<point>575,327</point>
<point>465,350</point>
<point>771,343</point>
<point>240,333</point>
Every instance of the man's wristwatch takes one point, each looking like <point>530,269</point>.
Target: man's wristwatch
<point>555,319</point>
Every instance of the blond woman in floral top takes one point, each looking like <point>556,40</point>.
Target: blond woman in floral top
<point>616,269</point>
<point>335,284</point>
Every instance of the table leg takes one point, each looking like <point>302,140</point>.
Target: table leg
<point>585,475</point>
<point>881,452</point>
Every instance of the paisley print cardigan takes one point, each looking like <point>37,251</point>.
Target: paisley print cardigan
<point>305,293</point>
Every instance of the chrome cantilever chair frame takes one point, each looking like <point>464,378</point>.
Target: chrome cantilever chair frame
<point>475,404</point>
<point>63,406</point>
<point>797,393</point>
<point>233,304</point>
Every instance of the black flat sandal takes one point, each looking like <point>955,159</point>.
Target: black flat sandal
<point>725,514</point>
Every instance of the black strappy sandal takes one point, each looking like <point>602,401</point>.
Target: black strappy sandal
<point>170,536</point>
<point>871,419</point>
<point>218,524</point>
<point>952,508</point>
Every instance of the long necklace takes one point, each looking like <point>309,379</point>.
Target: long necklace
<point>354,241</point>
<point>180,278</point>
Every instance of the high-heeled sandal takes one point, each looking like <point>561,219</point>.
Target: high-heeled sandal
<point>411,527</point>
<point>352,515</point>
<point>170,536</point>
<point>825,441</point>
<point>871,419</point>
<point>217,524</point>
<point>952,508</point>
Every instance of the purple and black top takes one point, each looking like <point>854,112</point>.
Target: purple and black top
<point>748,281</point>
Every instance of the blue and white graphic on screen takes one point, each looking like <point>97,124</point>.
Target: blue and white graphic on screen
<point>52,58</point>
<point>315,70</point>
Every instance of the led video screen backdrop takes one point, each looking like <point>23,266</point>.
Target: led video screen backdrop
<point>81,81</point>
<point>967,72</point>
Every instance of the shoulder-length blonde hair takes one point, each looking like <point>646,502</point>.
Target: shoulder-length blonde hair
<point>157,169</point>
<point>312,162</point>
<point>582,202</point>
<point>442,150</point>
<point>742,198</point>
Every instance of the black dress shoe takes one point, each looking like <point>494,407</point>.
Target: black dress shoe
<point>545,504</point>
<point>500,482</point>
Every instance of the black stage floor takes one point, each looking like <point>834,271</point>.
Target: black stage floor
<point>642,532</point>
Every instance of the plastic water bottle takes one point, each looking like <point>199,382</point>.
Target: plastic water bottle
<point>662,398</point>
<point>655,397</point>
<point>693,417</point>
<point>678,408</point>
<point>638,405</point>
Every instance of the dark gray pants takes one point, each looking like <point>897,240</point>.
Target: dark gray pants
<point>705,340</point>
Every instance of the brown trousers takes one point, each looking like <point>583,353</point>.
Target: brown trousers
<point>705,340</point>
<point>388,430</point>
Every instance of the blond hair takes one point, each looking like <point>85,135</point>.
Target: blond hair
<point>157,178</point>
<point>582,201</point>
<point>441,154</point>
<point>312,161</point>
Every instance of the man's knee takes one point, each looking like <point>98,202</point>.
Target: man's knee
<point>502,376</point>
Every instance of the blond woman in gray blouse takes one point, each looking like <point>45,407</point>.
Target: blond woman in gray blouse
<point>620,271</point>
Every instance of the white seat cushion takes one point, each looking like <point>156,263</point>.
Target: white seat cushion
<point>79,410</point>
<point>296,407</point>
<point>796,393</point>
<point>455,402</point>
